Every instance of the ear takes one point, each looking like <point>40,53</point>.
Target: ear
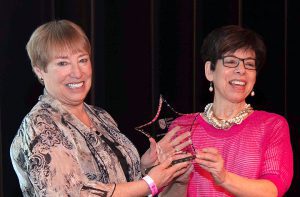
<point>208,71</point>
<point>38,71</point>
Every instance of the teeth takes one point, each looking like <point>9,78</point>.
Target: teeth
<point>75,85</point>
<point>235,82</point>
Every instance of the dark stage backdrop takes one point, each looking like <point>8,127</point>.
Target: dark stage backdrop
<point>144,48</point>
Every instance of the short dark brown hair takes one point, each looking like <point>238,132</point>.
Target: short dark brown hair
<point>229,39</point>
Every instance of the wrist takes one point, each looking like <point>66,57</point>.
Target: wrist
<point>222,180</point>
<point>152,186</point>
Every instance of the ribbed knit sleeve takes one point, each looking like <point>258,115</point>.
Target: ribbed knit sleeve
<point>277,164</point>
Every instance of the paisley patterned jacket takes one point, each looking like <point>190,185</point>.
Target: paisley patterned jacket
<point>55,154</point>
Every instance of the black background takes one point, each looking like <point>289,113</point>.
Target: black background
<point>143,48</point>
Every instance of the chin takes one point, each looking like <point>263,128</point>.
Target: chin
<point>237,100</point>
<point>76,102</point>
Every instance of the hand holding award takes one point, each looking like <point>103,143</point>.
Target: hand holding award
<point>175,142</point>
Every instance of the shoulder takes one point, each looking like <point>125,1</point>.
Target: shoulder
<point>103,114</point>
<point>41,112</point>
<point>269,117</point>
<point>185,118</point>
<point>27,132</point>
<point>41,115</point>
<point>271,123</point>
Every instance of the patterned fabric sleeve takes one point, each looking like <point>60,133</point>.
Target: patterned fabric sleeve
<point>45,162</point>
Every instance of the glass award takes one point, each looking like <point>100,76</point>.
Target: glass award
<point>160,124</point>
<point>163,119</point>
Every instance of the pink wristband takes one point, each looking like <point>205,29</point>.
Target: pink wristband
<point>151,184</point>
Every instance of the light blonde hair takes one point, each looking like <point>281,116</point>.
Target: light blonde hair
<point>54,37</point>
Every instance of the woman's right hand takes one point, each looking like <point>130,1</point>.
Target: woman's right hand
<point>164,173</point>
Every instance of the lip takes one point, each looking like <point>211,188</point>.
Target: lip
<point>237,82</point>
<point>75,85</point>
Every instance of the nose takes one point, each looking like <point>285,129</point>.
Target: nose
<point>240,67</point>
<point>76,70</point>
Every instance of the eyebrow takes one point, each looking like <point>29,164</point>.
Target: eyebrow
<point>239,57</point>
<point>66,57</point>
<point>61,57</point>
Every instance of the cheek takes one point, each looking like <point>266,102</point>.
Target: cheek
<point>59,77</point>
<point>253,79</point>
<point>89,70</point>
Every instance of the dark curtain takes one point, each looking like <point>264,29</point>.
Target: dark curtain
<point>142,49</point>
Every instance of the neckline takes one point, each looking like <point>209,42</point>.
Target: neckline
<point>211,130</point>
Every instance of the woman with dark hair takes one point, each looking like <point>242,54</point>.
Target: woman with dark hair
<point>240,151</point>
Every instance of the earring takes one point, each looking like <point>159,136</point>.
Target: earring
<point>211,89</point>
<point>252,93</point>
<point>42,81</point>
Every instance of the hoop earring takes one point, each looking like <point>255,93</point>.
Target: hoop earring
<point>252,93</point>
<point>211,89</point>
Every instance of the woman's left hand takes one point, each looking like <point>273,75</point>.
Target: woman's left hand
<point>172,143</point>
<point>211,160</point>
<point>166,147</point>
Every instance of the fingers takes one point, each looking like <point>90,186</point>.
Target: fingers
<point>181,137</point>
<point>172,143</point>
<point>181,171</point>
<point>152,146</point>
<point>166,163</point>
<point>210,150</point>
<point>210,160</point>
<point>190,169</point>
<point>171,134</point>
<point>165,172</point>
<point>183,158</point>
<point>180,146</point>
<point>207,165</point>
<point>208,154</point>
<point>181,168</point>
<point>186,173</point>
<point>180,141</point>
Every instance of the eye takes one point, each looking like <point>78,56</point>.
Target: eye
<point>83,60</point>
<point>230,61</point>
<point>250,63</point>
<point>62,63</point>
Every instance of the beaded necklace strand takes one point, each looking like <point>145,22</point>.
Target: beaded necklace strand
<point>225,124</point>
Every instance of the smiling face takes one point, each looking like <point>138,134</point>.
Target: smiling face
<point>67,76</point>
<point>232,84</point>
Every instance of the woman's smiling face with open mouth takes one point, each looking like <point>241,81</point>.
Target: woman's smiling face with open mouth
<point>68,76</point>
<point>234,84</point>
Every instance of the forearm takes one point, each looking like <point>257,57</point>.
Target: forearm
<point>132,189</point>
<point>244,187</point>
<point>173,190</point>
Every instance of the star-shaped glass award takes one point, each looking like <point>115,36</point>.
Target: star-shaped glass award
<point>160,124</point>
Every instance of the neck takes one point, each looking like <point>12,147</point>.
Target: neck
<point>227,111</point>
<point>225,123</point>
<point>80,113</point>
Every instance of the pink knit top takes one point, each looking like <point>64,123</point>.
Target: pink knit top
<point>258,148</point>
